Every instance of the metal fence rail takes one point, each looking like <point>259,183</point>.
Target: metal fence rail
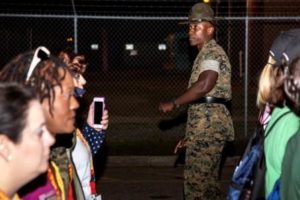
<point>136,62</point>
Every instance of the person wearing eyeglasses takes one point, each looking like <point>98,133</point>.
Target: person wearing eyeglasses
<point>24,139</point>
<point>53,83</point>
<point>89,140</point>
<point>209,123</point>
<point>77,65</point>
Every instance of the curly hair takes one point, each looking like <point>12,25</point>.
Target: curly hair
<point>66,55</point>
<point>76,62</point>
<point>43,79</point>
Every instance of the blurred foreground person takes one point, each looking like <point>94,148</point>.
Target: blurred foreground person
<point>50,78</point>
<point>290,177</point>
<point>209,123</point>
<point>24,139</point>
<point>284,123</point>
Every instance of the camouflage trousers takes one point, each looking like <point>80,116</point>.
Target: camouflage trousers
<point>201,170</point>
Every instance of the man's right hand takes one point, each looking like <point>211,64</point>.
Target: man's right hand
<point>180,145</point>
<point>166,107</point>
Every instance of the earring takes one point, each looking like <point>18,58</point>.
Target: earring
<point>9,158</point>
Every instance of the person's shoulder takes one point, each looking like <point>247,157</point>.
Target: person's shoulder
<point>282,112</point>
<point>215,47</point>
<point>213,43</point>
<point>286,119</point>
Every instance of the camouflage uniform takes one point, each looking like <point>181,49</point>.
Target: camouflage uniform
<point>209,126</point>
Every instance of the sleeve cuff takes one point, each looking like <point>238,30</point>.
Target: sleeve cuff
<point>93,137</point>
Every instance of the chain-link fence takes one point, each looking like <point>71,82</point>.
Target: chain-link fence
<point>137,62</point>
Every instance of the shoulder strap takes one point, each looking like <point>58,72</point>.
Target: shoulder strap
<point>258,190</point>
<point>275,122</point>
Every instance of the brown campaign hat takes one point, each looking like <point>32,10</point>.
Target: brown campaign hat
<point>200,12</point>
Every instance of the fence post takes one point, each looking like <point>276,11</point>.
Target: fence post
<point>246,75</point>
<point>75,34</point>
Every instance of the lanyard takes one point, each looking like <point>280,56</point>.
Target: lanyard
<point>3,196</point>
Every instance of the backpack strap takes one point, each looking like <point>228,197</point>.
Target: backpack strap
<point>275,122</point>
<point>258,181</point>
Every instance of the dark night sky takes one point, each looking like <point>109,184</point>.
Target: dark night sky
<point>111,7</point>
<point>148,7</point>
<point>96,7</point>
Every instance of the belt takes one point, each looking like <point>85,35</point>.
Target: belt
<point>211,100</point>
<point>225,102</point>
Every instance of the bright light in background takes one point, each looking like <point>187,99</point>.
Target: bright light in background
<point>94,46</point>
<point>69,39</point>
<point>162,47</point>
<point>206,1</point>
<point>133,53</point>
<point>129,47</point>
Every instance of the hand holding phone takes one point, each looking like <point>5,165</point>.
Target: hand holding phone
<point>99,105</point>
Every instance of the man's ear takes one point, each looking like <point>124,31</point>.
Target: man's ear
<point>5,148</point>
<point>211,30</point>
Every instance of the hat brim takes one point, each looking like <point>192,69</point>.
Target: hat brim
<point>213,22</point>
<point>184,23</point>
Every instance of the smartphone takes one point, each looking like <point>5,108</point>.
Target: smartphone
<point>99,105</point>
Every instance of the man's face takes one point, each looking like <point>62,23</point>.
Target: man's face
<point>62,119</point>
<point>199,33</point>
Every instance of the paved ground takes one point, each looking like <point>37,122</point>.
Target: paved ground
<point>141,183</point>
<point>149,182</point>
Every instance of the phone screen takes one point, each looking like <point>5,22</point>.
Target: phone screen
<point>98,111</point>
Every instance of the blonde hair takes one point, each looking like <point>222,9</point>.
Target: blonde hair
<point>266,83</point>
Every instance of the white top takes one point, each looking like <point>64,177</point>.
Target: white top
<point>81,159</point>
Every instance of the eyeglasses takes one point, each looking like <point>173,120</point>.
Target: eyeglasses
<point>41,53</point>
<point>68,95</point>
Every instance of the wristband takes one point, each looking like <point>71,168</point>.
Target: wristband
<point>175,104</point>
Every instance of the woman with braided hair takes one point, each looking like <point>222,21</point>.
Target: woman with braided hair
<point>77,65</point>
<point>53,83</point>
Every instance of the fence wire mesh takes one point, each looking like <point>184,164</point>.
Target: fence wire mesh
<point>137,62</point>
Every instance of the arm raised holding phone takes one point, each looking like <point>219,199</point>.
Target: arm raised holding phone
<point>98,105</point>
<point>91,137</point>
